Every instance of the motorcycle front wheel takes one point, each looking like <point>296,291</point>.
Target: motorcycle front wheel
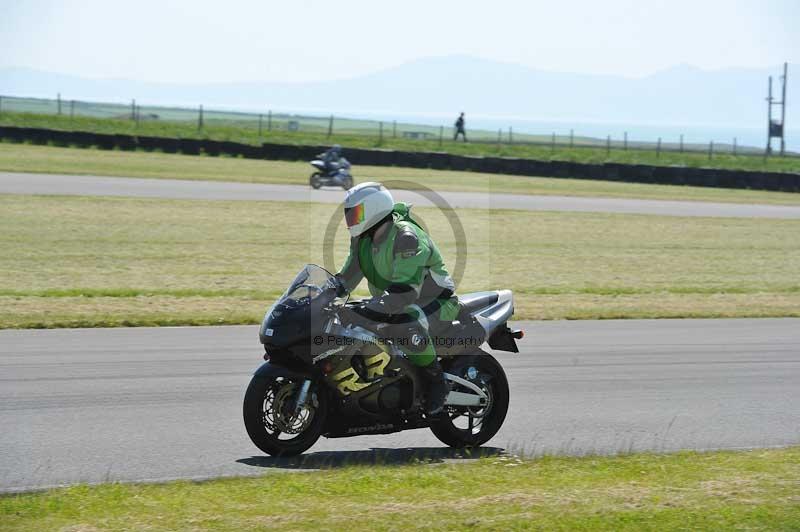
<point>462,426</point>
<point>274,424</point>
<point>315,180</point>
<point>348,183</point>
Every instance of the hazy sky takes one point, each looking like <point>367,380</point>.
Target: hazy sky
<point>294,40</point>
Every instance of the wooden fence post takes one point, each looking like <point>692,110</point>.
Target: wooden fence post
<point>658,148</point>
<point>710,149</point>
<point>200,118</point>
<point>681,142</point>
<point>553,142</point>
<point>330,126</point>
<point>380,133</point>
<point>269,120</point>
<point>71,109</point>
<point>441,135</point>
<point>58,100</point>
<point>625,141</point>
<point>734,146</point>
<point>394,129</point>
<point>260,123</point>
<point>571,138</point>
<point>510,135</point>
<point>608,145</point>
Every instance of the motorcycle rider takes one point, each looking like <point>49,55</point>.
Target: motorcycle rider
<point>331,158</point>
<point>410,286</point>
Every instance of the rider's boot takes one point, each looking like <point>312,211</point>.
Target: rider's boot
<point>437,387</point>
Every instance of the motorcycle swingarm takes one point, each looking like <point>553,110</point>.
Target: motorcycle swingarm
<point>478,398</point>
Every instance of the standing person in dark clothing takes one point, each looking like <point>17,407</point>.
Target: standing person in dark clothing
<point>460,128</point>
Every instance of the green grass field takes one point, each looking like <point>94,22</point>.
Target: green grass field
<point>46,159</point>
<point>233,131</point>
<point>72,261</point>
<point>755,490</point>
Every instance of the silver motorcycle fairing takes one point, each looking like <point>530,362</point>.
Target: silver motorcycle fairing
<point>496,314</point>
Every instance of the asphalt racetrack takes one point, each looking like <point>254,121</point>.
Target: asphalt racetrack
<point>94,405</point>
<point>51,184</point>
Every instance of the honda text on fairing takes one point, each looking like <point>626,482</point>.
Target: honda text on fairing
<point>330,372</point>
<point>331,172</point>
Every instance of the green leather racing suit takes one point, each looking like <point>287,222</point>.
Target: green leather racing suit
<point>408,281</point>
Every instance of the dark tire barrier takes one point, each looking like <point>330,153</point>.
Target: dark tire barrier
<point>629,173</point>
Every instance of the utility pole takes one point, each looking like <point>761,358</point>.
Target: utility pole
<point>775,128</point>
<point>769,117</point>
<point>783,108</point>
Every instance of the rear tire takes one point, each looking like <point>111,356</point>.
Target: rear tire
<point>266,420</point>
<point>315,180</point>
<point>484,422</point>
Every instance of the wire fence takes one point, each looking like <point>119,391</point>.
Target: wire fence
<point>330,127</point>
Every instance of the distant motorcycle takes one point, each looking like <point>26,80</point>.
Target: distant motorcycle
<point>334,174</point>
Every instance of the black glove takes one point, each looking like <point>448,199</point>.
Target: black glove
<point>338,284</point>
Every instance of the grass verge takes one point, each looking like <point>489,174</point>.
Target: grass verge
<point>755,490</point>
<point>75,261</point>
<point>237,132</point>
<point>47,159</point>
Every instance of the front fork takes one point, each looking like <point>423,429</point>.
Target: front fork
<point>302,396</point>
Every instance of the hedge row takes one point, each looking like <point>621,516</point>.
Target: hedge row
<point>638,173</point>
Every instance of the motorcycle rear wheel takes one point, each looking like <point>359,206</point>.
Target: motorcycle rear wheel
<point>315,180</point>
<point>269,418</point>
<point>482,423</point>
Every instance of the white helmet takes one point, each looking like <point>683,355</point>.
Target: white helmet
<point>365,205</point>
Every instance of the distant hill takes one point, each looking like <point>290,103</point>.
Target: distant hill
<point>678,95</point>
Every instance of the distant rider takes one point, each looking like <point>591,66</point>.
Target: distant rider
<point>332,158</point>
<point>410,286</point>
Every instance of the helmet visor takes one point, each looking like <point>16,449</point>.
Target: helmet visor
<point>354,215</point>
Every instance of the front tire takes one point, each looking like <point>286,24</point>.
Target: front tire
<point>270,420</point>
<point>460,426</point>
<point>348,183</point>
<point>315,180</point>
